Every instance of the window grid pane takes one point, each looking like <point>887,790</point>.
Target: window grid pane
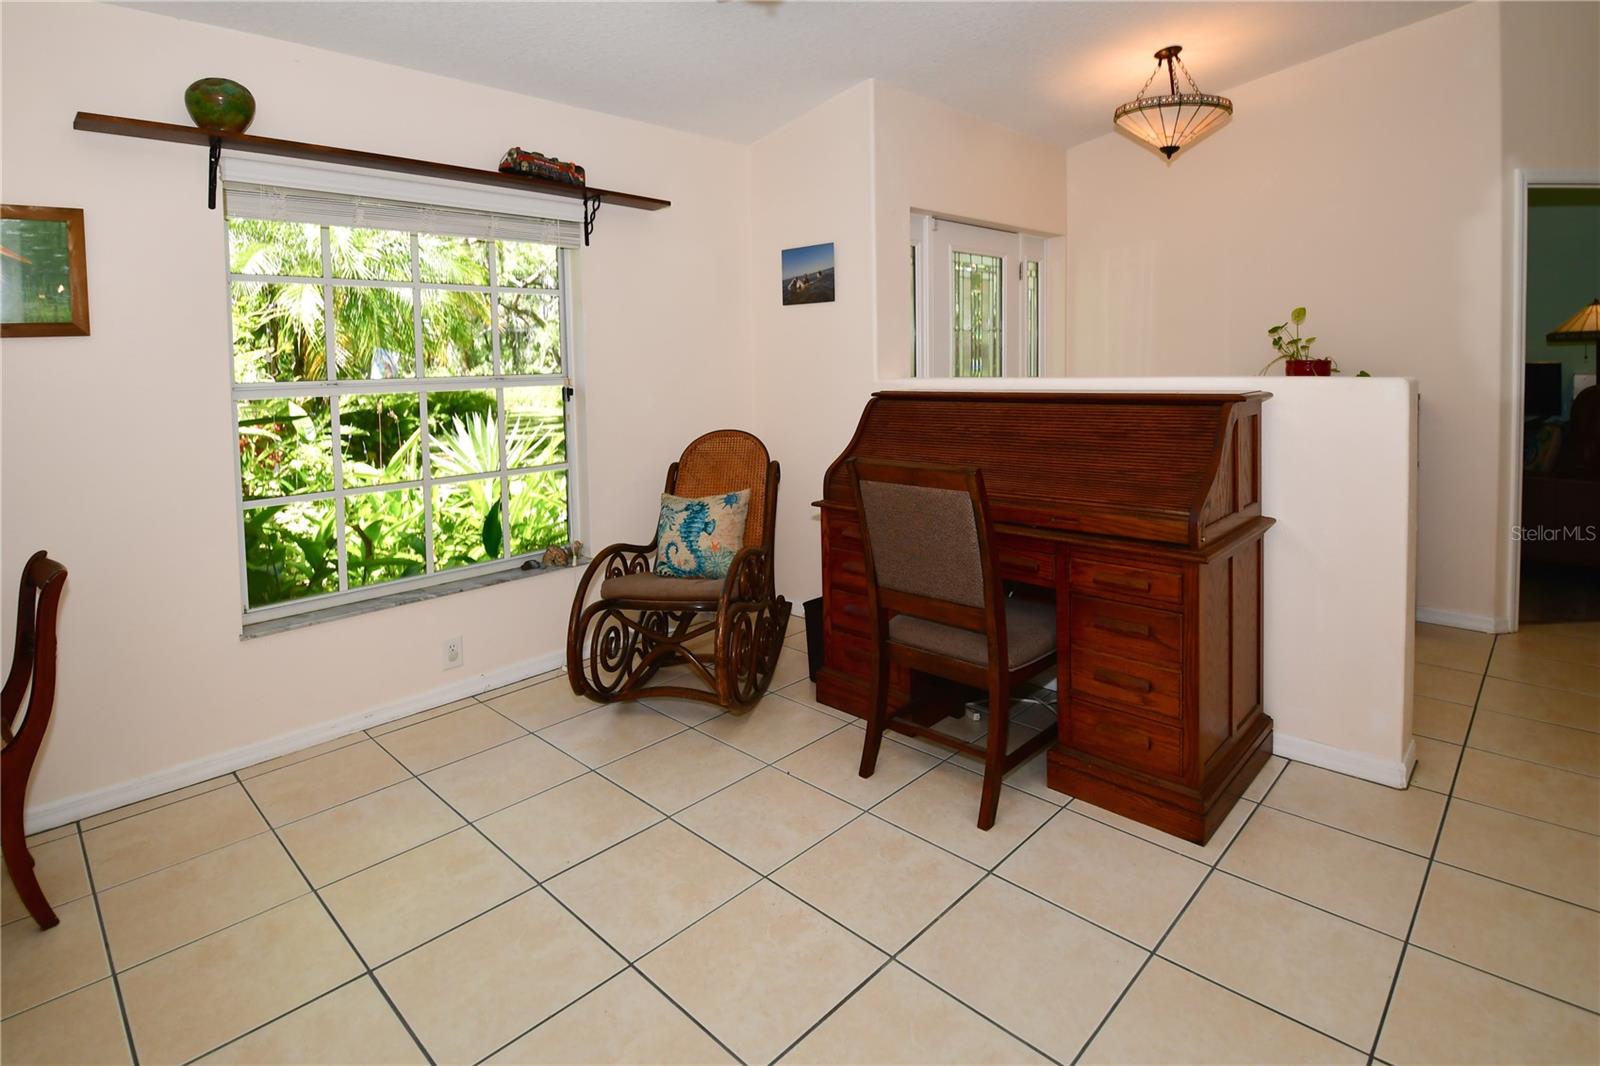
<point>976,292</point>
<point>380,472</point>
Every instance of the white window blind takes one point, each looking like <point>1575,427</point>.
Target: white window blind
<point>275,203</point>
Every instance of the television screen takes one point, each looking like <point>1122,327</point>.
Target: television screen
<point>1541,390</point>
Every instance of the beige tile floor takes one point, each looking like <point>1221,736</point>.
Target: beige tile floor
<point>523,877</point>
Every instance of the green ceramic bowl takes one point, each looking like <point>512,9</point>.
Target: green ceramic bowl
<point>220,104</point>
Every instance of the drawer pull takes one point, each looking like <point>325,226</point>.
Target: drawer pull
<point>1116,581</point>
<point>855,610</point>
<point>854,566</point>
<point>1119,625</point>
<point>1118,679</point>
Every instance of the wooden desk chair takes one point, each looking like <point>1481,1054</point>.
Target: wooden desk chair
<point>32,666</point>
<point>727,631</point>
<point>937,605</point>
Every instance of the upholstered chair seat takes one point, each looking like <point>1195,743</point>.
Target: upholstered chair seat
<point>1030,635</point>
<point>647,586</point>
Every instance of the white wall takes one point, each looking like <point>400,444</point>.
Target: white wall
<point>811,185</point>
<point>1370,185</point>
<point>929,157</point>
<point>117,453</point>
<point>851,171</point>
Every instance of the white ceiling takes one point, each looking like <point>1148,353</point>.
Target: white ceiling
<point>740,70</point>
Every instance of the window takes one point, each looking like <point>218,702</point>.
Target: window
<point>401,379</point>
<point>976,306</point>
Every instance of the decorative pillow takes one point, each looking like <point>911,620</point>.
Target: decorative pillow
<point>699,538</point>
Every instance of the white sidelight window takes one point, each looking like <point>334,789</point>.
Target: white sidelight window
<point>977,303</point>
<point>402,387</point>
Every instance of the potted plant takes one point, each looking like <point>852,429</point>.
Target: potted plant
<point>1294,351</point>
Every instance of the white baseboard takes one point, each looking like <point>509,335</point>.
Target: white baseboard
<point>1392,772</point>
<point>1478,623</point>
<point>87,804</point>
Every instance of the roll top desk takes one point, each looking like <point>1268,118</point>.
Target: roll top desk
<point>1141,514</point>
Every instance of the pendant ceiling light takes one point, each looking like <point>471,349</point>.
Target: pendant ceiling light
<point>1177,119</point>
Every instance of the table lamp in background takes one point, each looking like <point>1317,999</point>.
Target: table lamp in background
<point>1581,328</point>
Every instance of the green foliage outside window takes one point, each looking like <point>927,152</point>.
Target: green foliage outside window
<point>286,444</point>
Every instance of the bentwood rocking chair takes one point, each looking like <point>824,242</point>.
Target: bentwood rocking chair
<point>33,672</point>
<point>726,633</point>
<point>938,606</point>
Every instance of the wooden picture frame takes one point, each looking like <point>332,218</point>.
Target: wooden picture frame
<point>62,280</point>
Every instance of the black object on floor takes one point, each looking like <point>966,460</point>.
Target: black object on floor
<point>813,609</point>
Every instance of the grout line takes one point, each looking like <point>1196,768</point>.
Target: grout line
<point>279,1017</point>
<point>1210,871</point>
<point>1516,984</point>
<point>1523,717</point>
<point>1351,832</point>
<point>164,952</point>
<point>760,876</point>
<point>105,943</point>
<point>894,957</point>
<point>356,738</point>
<point>538,884</point>
<point>1536,762</point>
<point>1513,884</point>
<point>225,779</point>
<point>858,812</point>
<point>360,958</point>
<point>1427,873</point>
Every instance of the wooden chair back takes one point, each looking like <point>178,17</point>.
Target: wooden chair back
<point>731,460</point>
<point>925,532</point>
<point>33,663</point>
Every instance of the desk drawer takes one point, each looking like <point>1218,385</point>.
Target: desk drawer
<point>1143,581</point>
<point>1127,630</point>
<point>851,654</point>
<point>1147,686</point>
<point>1123,738</point>
<point>844,533</point>
<point>1021,559</point>
<point>847,611</point>
<point>847,570</point>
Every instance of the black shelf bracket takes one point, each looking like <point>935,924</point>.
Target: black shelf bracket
<point>591,208</point>
<point>211,181</point>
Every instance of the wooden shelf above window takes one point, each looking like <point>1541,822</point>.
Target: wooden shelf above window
<point>245,142</point>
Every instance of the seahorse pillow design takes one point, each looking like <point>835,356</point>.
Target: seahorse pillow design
<point>699,538</point>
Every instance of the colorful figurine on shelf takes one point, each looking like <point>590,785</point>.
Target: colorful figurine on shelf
<point>537,165</point>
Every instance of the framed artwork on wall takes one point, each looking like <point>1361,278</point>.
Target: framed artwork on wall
<point>44,274</point>
<point>808,274</point>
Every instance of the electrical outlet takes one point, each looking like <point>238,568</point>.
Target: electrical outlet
<point>453,655</point>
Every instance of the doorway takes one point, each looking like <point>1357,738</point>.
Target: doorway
<point>977,300</point>
<point>1555,556</point>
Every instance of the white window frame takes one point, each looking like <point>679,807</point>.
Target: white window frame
<point>934,239</point>
<point>428,192</point>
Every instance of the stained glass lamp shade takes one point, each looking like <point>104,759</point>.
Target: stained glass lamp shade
<point>1175,119</point>
<point>1581,328</point>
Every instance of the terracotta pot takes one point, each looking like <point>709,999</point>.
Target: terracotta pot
<point>1308,368</point>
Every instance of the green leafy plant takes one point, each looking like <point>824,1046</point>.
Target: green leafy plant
<point>285,445</point>
<point>1291,346</point>
<point>1287,342</point>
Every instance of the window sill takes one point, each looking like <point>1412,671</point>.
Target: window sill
<point>267,627</point>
